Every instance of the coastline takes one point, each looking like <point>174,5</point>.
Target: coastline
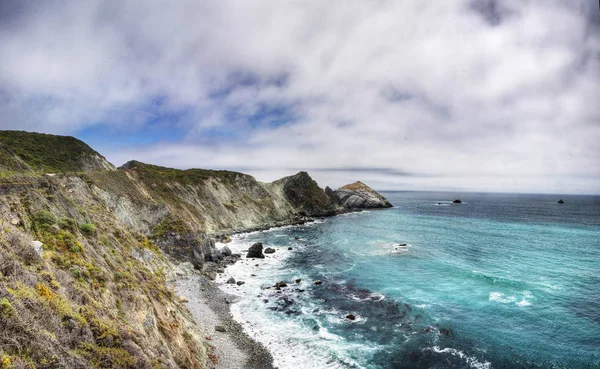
<point>210,303</point>
<point>210,307</point>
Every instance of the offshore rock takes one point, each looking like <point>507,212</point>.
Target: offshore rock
<point>358,195</point>
<point>255,251</point>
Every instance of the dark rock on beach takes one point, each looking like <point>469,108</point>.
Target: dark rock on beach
<point>226,251</point>
<point>256,251</point>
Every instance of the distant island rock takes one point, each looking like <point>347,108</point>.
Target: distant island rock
<point>457,201</point>
<point>358,195</point>
<point>561,201</point>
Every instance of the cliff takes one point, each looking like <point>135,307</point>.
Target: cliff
<point>85,253</point>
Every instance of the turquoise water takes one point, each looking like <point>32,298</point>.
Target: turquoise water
<point>499,281</point>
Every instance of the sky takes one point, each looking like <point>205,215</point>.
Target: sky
<point>453,95</point>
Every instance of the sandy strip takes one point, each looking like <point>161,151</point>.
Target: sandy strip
<point>210,308</point>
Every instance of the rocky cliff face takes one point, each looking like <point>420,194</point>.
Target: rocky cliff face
<point>79,288</point>
<point>104,237</point>
<point>358,195</point>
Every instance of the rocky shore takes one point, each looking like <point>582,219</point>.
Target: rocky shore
<point>210,307</point>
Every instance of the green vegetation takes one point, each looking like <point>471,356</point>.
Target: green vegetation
<point>88,228</point>
<point>23,151</point>
<point>157,174</point>
<point>170,223</point>
<point>7,311</point>
<point>43,220</point>
<point>68,224</point>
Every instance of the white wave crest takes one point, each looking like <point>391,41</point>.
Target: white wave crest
<point>471,361</point>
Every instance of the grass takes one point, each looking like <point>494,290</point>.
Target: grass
<point>157,174</point>
<point>356,186</point>
<point>25,151</point>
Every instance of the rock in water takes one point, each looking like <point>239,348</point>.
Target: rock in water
<point>239,283</point>
<point>220,328</point>
<point>318,282</point>
<point>561,201</point>
<point>351,317</point>
<point>280,284</point>
<point>231,280</point>
<point>269,250</point>
<point>256,251</point>
<point>457,201</point>
<point>360,196</point>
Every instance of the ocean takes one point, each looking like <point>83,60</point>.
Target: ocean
<point>499,281</point>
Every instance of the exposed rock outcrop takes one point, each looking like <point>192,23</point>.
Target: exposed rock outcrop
<point>358,195</point>
<point>256,251</point>
<point>305,195</point>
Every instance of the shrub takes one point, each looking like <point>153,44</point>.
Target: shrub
<point>65,241</point>
<point>88,228</point>
<point>105,357</point>
<point>43,220</point>
<point>7,311</point>
<point>68,224</point>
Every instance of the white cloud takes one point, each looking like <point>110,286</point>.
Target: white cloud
<point>499,98</point>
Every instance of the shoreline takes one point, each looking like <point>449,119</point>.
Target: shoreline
<point>210,307</point>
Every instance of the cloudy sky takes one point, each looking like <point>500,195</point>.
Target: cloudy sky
<point>480,95</point>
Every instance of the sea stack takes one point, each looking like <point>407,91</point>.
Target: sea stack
<point>358,195</point>
<point>561,201</point>
<point>457,201</point>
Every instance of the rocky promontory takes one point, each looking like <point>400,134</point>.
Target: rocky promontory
<point>358,195</point>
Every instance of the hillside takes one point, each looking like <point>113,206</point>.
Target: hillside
<point>42,153</point>
<point>85,254</point>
